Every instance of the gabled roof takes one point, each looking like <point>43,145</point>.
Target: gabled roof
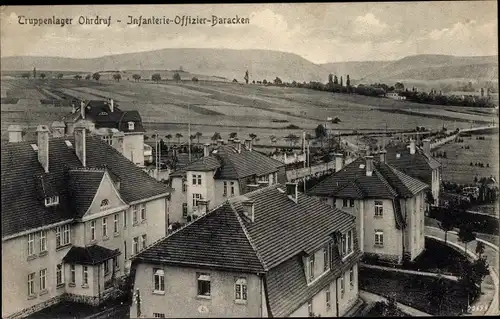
<point>281,229</point>
<point>91,255</point>
<point>23,207</point>
<point>417,165</point>
<point>274,243</point>
<point>230,164</point>
<point>82,186</point>
<point>99,112</point>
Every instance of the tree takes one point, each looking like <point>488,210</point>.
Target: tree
<point>177,77</point>
<point>252,136</point>
<point>136,77</point>
<point>330,78</point>
<point>335,80</point>
<point>88,77</point>
<point>437,292</point>
<point>273,139</point>
<point>156,77</point>
<point>178,136</point>
<point>235,81</point>
<point>216,137</point>
<point>168,137</point>
<point>278,81</point>
<point>447,223</point>
<point>233,135</point>
<point>246,77</point>
<point>42,75</point>
<point>78,76</point>
<point>117,77</point>
<point>429,198</point>
<point>194,79</point>
<point>320,131</point>
<point>480,248</point>
<point>60,76</point>
<point>198,135</point>
<point>96,76</point>
<point>348,81</point>
<point>25,75</point>
<point>341,82</point>
<point>399,86</point>
<point>292,138</point>
<point>466,235</point>
<point>264,81</point>
<point>192,137</point>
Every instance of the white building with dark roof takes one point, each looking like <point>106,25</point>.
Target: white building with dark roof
<point>272,252</point>
<point>73,211</point>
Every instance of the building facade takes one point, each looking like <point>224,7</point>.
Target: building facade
<point>389,207</point>
<point>73,212</point>
<point>250,258</point>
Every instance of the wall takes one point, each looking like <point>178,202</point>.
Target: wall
<point>415,240</point>
<point>219,191</point>
<point>133,148</point>
<point>206,189</point>
<point>302,172</point>
<point>177,198</point>
<point>436,184</point>
<point>351,293</point>
<point>180,299</point>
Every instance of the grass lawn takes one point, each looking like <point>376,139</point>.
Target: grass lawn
<point>67,310</point>
<point>376,312</point>
<point>411,290</point>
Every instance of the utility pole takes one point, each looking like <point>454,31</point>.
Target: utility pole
<point>305,156</point>
<point>157,157</point>
<point>189,132</point>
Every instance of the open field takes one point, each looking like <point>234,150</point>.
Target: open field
<point>456,165</point>
<point>226,107</point>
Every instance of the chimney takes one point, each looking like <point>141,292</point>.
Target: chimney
<point>248,144</point>
<point>58,129</point>
<point>427,147</point>
<point>230,141</point>
<point>15,133</point>
<point>291,191</point>
<point>383,155</point>
<point>237,145</point>
<point>43,146</point>
<point>412,146</point>
<point>249,209</point>
<point>80,144</point>
<point>339,161</point>
<point>369,165</point>
<point>117,139</point>
<point>206,151</point>
<point>202,206</point>
<point>112,105</point>
<point>220,142</point>
<point>82,109</point>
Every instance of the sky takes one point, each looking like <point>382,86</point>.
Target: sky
<point>319,32</point>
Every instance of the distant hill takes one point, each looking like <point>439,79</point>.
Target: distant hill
<point>355,69</point>
<point>226,63</point>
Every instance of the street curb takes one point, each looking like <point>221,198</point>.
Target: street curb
<point>487,243</point>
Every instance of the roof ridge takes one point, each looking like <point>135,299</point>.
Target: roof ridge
<point>249,238</point>
<point>384,180</point>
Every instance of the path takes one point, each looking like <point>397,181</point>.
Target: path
<point>372,298</point>
<point>490,286</point>
<point>407,271</point>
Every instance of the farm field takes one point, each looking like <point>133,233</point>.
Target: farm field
<point>225,107</point>
<point>456,166</point>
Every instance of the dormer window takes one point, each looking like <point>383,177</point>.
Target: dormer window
<point>104,204</point>
<point>130,126</point>
<point>51,201</point>
<point>103,113</point>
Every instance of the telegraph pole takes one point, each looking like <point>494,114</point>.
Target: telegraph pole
<point>157,157</point>
<point>189,132</point>
<point>305,155</point>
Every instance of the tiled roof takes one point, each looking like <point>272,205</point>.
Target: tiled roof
<point>23,207</point>
<point>100,112</point>
<point>82,187</point>
<point>281,229</point>
<point>417,165</point>
<point>234,165</point>
<point>91,255</point>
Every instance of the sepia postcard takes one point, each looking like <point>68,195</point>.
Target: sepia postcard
<point>250,160</point>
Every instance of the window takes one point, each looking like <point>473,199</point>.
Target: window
<point>143,211</point>
<point>347,243</point>
<point>351,277</point>
<point>43,241</point>
<point>240,289</point>
<point>232,188</point>
<point>104,227</point>
<point>115,223</point>
<point>92,230</point>
<point>224,193</point>
<point>85,275</point>
<point>143,240</point>
<point>184,210</point>
<point>344,202</point>
<point>326,264</point>
<point>199,179</point>
<point>59,274</point>
<point>31,244</point>
<point>310,308</point>
<point>31,284</point>
<point>135,245</point>
<point>107,139</point>
<point>342,287</point>
<point>328,299</point>
<point>51,201</point>
<point>66,234</point>
<point>195,199</point>
<point>43,279</point>
<point>134,214</point>
<point>379,238</point>
<point>203,285</point>
<point>351,203</point>
<point>421,226</point>
<point>104,204</point>
<point>106,267</point>
<point>58,237</point>
<point>72,274</point>
<point>124,219</point>
<point>159,280</point>
<point>130,126</point>
<point>311,267</point>
<point>184,186</point>
<point>379,211</point>
<point>158,315</point>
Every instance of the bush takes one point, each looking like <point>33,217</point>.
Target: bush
<point>292,127</point>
